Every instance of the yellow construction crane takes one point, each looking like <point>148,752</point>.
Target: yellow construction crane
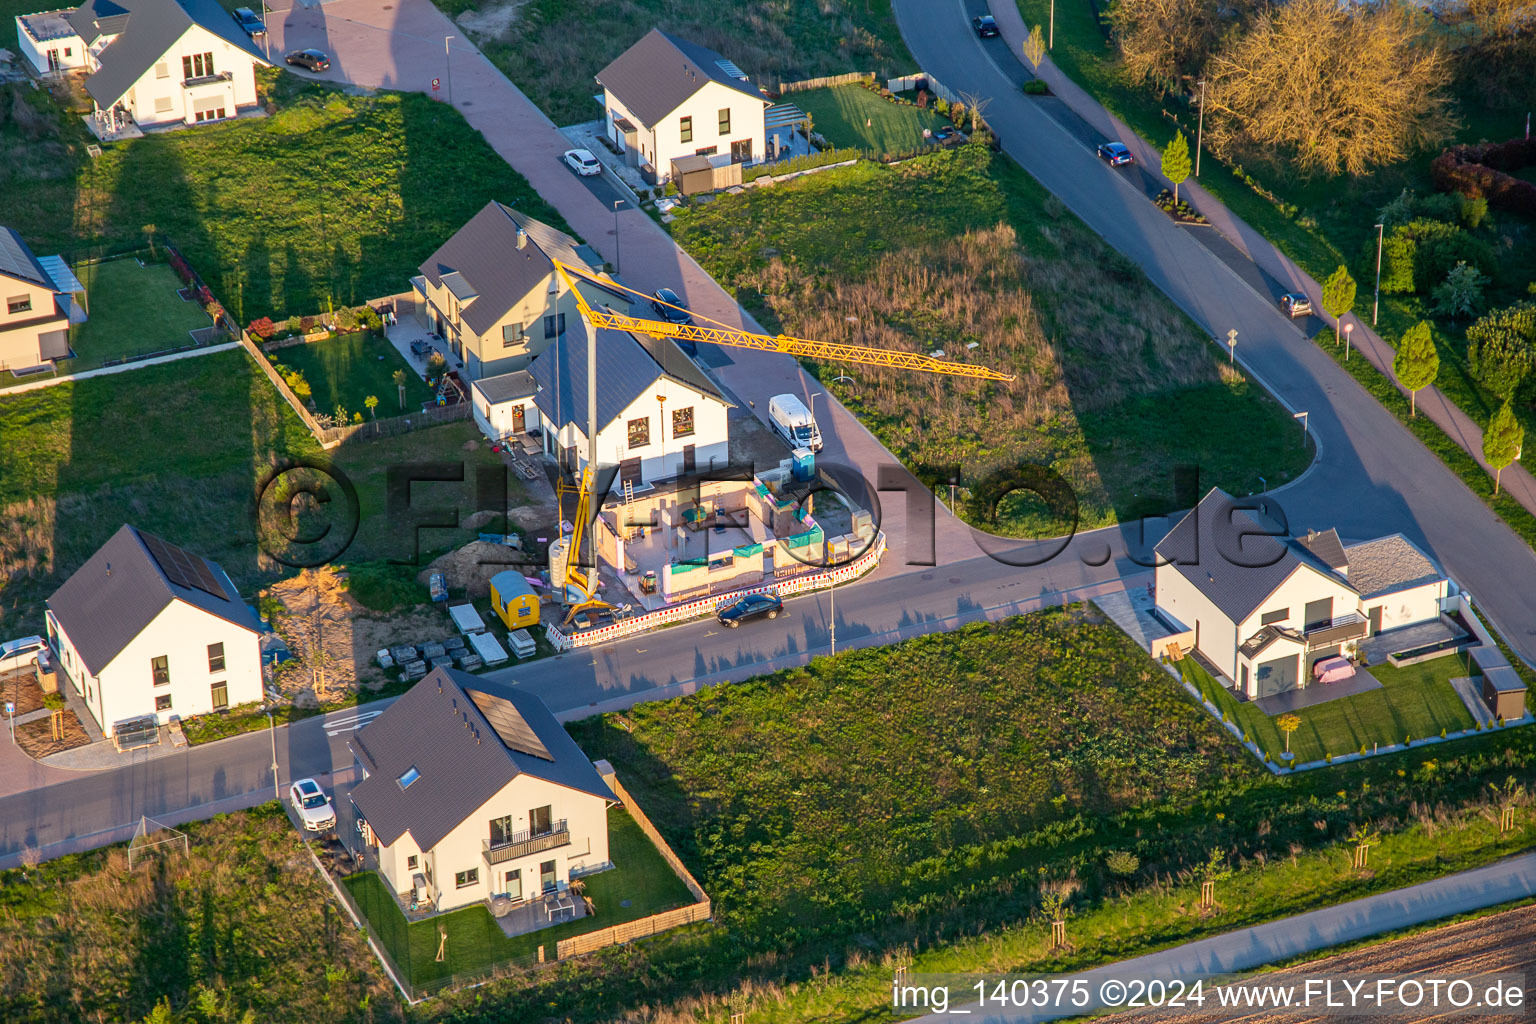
<point>585,581</point>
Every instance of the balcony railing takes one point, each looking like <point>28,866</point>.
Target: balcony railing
<point>521,844</point>
<point>193,83</point>
<point>1346,627</point>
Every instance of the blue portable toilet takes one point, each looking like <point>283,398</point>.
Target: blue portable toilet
<point>803,466</point>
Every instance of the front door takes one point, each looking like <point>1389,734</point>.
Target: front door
<point>547,876</point>
<point>741,152</point>
<point>53,60</point>
<point>514,884</point>
<point>688,459</point>
<point>519,423</point>
<point>1374,615</point>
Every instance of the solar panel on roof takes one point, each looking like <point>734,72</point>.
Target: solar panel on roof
<point>181,567</point>
<point>510,725</point>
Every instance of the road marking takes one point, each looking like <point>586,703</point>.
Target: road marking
<point>641,650</point>
<point>355,722</point>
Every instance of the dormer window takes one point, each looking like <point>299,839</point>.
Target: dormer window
<point>410,776</point>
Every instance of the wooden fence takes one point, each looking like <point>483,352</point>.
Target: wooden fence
<point>392,425</point>
<point>852,78</point>
<point>933,85</point>
<point>613,935</point>
<point>283,389</point>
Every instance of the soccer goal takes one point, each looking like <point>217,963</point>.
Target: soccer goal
<point>151,837</point>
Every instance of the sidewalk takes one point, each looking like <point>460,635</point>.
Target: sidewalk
<point>1254,247</point>
<point>102,371</point>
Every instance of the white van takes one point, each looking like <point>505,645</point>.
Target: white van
<point>794,422</point>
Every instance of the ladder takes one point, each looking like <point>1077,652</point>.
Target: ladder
<point>629,491</point>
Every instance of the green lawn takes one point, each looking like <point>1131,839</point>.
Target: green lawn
<point>133,309</point>
<point>639,877</point>
<point>852,116</point>
<point>1416,702</point>
<point>333,200</point>
<point>346,370</point>
<point>1115,387</point>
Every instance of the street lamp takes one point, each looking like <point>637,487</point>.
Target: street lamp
<point>1050,44</point>
<point>1200,131</point>
<point>448,59</point>
<point>1348,330</point>
<point>1376,305</point>
<point>618,267</point>
<point>1303,417</point>
<point>272,731</point>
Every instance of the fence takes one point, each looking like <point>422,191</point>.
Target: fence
<point>805,85</point>
<point>927,81</point>
<point>283,389</point>
<point>392,425</point>
<point>613,935</point>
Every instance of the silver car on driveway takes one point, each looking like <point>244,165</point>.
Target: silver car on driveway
<point>312,805</point>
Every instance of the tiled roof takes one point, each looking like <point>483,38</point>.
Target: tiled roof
<point>660,72</point>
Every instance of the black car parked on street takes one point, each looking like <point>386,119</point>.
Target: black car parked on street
<point>752,606</point>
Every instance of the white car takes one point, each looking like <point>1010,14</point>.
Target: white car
<point>21,653</point>
<point>313,806</point>
<point>583,162</point>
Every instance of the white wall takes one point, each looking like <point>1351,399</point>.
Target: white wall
<point>664,139</point>
<point>154,99</point>
<point>662,458</point>
<point>495,420</point>
<point>182,632</point>
<point>36,51</point>
<point>1186,603</point>
<point>645,138</point>
<point>1406,607</point>
<point>463,848</point>
<point>1303,585</point>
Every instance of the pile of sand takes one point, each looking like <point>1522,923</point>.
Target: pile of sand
<point>471,567</point>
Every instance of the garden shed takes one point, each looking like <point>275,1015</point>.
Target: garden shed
<point>1504,692</point>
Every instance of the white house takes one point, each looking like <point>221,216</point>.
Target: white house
<point>658,415</point>
<point>42,299</point>
<point>155,62</point>
<point>492,292</point>
<point>1263,607</point>
<point>666,97</point>
<point>146,628</point>
<point>470,795</point>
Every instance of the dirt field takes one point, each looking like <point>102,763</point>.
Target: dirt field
<point>20,687</point>
<point>1504,942</point>
<point>36,738</point>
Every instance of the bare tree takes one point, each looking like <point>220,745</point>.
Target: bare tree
<point>976,105</point>
<point>1163,40</point>
<point>1336,88</point>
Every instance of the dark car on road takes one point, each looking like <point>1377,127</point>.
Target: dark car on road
<point>1294,304</point>
<point>663,302</point>
<point>248,21</point>
<point>753,606</point>
<point>1115,154</point>
<point>985,26</point>
<point>949,135</point>
<point>314,60</point>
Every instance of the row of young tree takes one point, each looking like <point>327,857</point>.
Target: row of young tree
<point>1333,86</point>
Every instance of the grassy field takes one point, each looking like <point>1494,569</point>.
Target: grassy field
<point>852,116</point>
<point>639,878</point>
<point>553,48</point>
<point>346,370</point>
<point>334,197</point>
<point>133,310</point>
<point>177,449</point>
<point>1415,702</point>
<point>1320,222</point>
<point>242,923</point>
<point>970,255</point>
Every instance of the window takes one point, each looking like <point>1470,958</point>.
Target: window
<point>640,432</point>
<point>547,876</point>
<point>682,422</point>
<point>725,120</point>
<point>163,702</point>
<point>554,326</point>
<point>514,886</point>
<point>707,151</point>
<point>18,304</point>
<point>220,696</point>
<point>1278,615</point>
<point>539,821</point>
<point>512,335</point>
<point>215,657</point>
<point>199,65</point>
<point>410,776</point>
<point>162,70</point>
<point>1318,614</point>
<point>186,68</point>
<point>501,830</point>
<point>685,129</point>
<point>68,50</point>
<point>162,104</point>
<point>160,668</point>
<point>741,152</point>
<point>411,862</point>
<point>464,879</point>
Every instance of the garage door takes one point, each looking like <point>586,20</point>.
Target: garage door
<point>1276,676</point>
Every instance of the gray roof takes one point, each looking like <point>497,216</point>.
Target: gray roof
<point>1388,564</point>
<point>1327,547</point>
<point>120,589</point>
<point>1504,679</point>
<point>482,265</point>
<point>660,72</point>
<point>626,368</point>
<point>145,30</point>
<point>1266,636</point>
<point>16,260</point>
<point>439,729</point>
<point>1237,573</point>
<point>506,387</point>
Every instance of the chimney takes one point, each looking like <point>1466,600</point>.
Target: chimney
<point>522,238</point>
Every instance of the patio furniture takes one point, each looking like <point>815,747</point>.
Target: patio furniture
<point>1333,670</point>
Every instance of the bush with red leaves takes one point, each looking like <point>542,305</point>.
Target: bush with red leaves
<point>1483,170</point>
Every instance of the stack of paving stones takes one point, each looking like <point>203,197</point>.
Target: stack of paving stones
<point>431,652</point>
<point>470,662</point>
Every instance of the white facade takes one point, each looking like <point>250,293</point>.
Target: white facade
<point>692,128</point>
<point>194,680</point>
<point>1406,607</point>
<point>49,43</point>
<point>666,452</point>
<point>459,870</point>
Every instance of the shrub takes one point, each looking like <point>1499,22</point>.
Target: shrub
<point>1036,87</point>
<point>1482,171</point>
<point>307,324</point>
<point>345,319</point>
<point>957,113</point>
<point>1462,293</point>
<point>1473,209</point>
<point>54,701</point>
<point>1397,255</point>
<point>1439,255</point>
<point>1501,348</point>
<point>1122,863</point>
<point>295,324</point>
<point>941,106</point>
<point>262,328</point>
<point>369,318</point>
